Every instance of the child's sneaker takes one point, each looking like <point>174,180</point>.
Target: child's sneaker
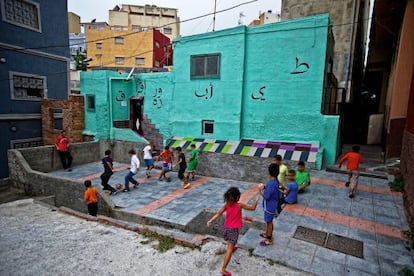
<point>147,174</point>
<point>347,184</point>
<point>266,242</point>
<point>186,185</point>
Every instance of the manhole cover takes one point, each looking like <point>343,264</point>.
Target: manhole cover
<point>345,245</point>
<point>310,235</point>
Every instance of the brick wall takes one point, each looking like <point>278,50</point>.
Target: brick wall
<point>73,119</point>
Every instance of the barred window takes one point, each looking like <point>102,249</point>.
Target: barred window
<point>27,87</point>
<point>205,66</point>
<point>23,13</point>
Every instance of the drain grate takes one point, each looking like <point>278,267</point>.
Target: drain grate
<point>310,235</point>
<point>331,241</point>
<point>345,245</point>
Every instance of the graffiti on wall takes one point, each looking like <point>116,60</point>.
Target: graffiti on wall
<point>300,68</point>
<point>140,87</point>
<point>207,93</point>
<point>157,98</point>
<point>120,97</point>
<point>259,95</point>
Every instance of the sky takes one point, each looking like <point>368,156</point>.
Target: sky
<point>91,9</point>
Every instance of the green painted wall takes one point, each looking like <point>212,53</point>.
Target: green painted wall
<point>270,87</point>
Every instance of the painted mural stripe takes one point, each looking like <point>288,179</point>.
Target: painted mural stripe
<point>312,157</point>
<point>304,156</point>
<point>296,155</point>
<point>348,221</point>
<point>226,148</point>
<point>208,146</point>
<point>221,146</point>
<point>203,146</point>
<point>170,197</point>
<point>214,147</point>
<point>314,149</point>
<point>245,151</point>
<point>188,139</point>
<point>361,187</point>
<point>186,144</point>
<point>273,152</point>
<point>288,155</point>
<point>258,152</point>
<point>266,152</point>
<point>239,149</point>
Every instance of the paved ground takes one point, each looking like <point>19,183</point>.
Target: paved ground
<point>375,217</point>
<point>35,240</point>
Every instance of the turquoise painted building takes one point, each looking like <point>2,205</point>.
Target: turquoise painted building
<point>262,84</point>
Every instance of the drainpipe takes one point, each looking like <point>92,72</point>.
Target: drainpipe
<point>350,58</point>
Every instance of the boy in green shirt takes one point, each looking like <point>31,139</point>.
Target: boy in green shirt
<point>283,170</point>
<point>302,177</point>
<point>192,162</point>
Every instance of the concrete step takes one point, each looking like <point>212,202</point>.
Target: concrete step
<point>11,195</point>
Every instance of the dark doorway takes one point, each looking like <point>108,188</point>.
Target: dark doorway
<point>136,114</point>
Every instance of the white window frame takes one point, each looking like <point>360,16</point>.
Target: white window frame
<point>117,40</point>
<point>139,63</point>
<point>119,63</point>
<point>3,15</point>
<point>13,73</point>
<point>203,127</point>
<point>98,46</point>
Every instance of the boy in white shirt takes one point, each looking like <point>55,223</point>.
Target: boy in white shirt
<point>133,170</point>
<point>147,154</point>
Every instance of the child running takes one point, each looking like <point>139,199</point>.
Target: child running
<point>183,165</point>
<point>232,223</point>
<point>270,194</point>
<point>147,155</point>
<point>91,198</point>
<point>167,157</point>
<point>353,158</point>
<point>108,172</point>
<point>133,170</point>
<point>290,193</point>
<point>302,177</point>
<point>192,162</point>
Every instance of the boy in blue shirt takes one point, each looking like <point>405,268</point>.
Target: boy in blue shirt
<point>290,193</point>
<point>270,194</point>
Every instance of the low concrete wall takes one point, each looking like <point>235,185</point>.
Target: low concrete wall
<point>67,192</point>
<point>407,165</point>
<point>46,158</point>
<point>120,149</point>
<point>238,167</point>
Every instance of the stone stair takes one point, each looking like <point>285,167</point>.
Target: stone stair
<point>9,193</point>
<point>152,134</point>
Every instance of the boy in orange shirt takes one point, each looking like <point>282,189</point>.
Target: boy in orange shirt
<point>353,158</point>
<point>91,198</point>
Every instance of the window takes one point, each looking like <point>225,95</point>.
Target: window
<point>168,31</point>
<point>27,87</point>
<point>157,44</point>
<point>137,28</point>
<point>98,45</point>
<point>26,143</point>
<point>57,116</point>
<point>119,28</point>
<point>139,61</point>
<point>119,60</point>
<point>205,66</point>
<point>119,40</point>
<point>23,13</point>
<point>90,102</point>
<point>157,63</point>
<point>207,127</point>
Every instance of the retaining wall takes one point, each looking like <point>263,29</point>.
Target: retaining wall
<point>407,165</point>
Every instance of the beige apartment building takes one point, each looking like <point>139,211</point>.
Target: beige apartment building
<point>142,18</point>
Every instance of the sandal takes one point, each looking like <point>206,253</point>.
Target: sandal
<point>263,235</point>
<point>226,273</point>
<point>266,242</point>
<point>235,248</point>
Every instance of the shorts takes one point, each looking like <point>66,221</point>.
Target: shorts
<point>268,217</point>
<point>192,165</point>
<point>149,162</point>
<point>231,235</point>
<point>353,179</point>
<point>166,167</point>
<point>181,172</point>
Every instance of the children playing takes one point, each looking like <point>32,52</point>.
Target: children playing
<point>192,162</point>
<point>91,198</point>
<point>283,170</point>
<point>147,155</point>
<point>133,170</point>
<point>290,193</point>
<point>270,194</point>
<point>182,166</point>
<point>108,172</point>
<point>302,177</point>
<point>353,159</point>
<point>232,223</point>
<point>167,157</point>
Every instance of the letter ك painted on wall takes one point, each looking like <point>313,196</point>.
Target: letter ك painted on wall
<point>300,68</point>
<point>260,95</point>
<point>140,86</point>
<point>156,98</point>
<point>208,93</point>
<point>120,97</point>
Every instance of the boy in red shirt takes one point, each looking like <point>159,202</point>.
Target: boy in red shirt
<point>62,147</point>
<point>353,158</point>
<point>167,157</point>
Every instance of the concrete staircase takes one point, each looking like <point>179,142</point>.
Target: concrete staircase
<point>9,193</point>
<point>152,134</point>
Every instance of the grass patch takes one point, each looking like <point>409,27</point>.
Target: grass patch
<point>406,272</point>
<point>398,184</point>
<point>165,243</point>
